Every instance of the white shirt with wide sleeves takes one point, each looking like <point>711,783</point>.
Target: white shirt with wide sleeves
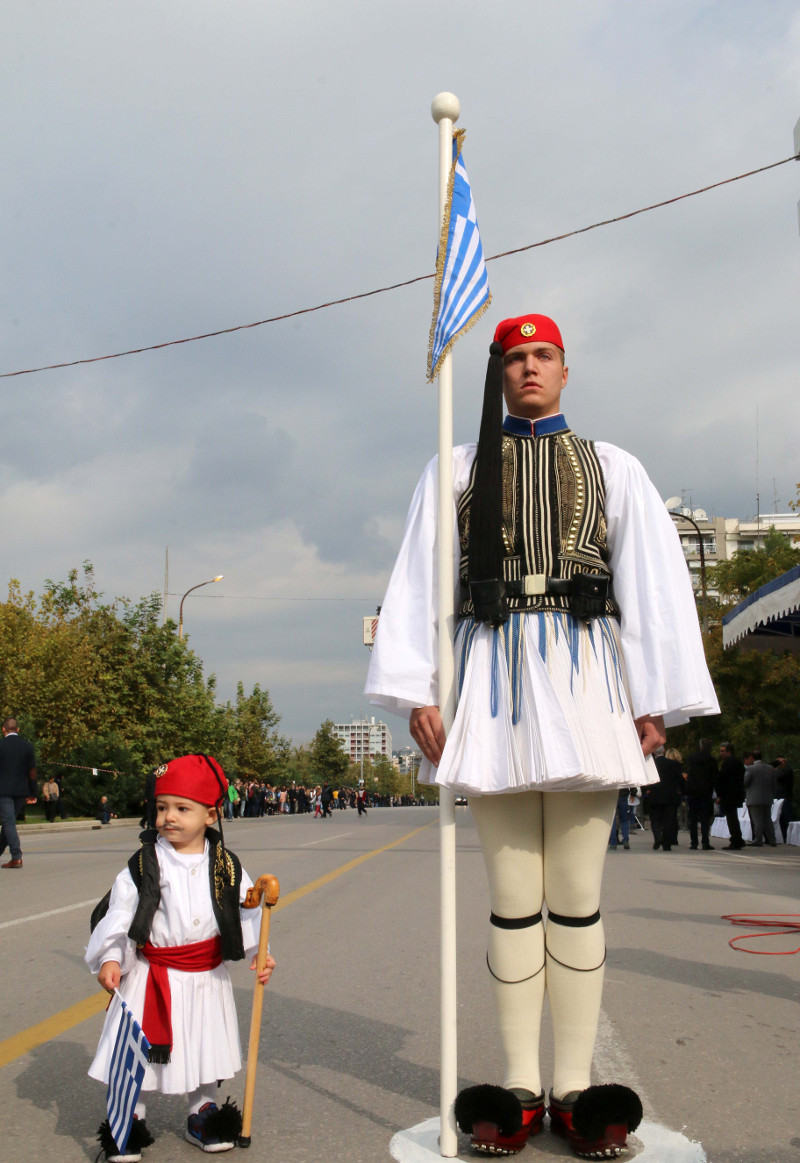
<point>572,734</point>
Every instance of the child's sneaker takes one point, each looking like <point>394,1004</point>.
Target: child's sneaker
<point>214,1128</point>
<point>139,1138</point>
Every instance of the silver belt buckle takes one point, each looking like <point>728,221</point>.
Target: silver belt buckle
<point>534,584</point>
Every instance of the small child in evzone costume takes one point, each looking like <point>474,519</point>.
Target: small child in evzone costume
<point>171,920</point>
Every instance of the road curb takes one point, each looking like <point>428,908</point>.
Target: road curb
<point>73,826</point>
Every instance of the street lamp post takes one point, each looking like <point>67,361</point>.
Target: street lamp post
<point>677,515</point>
<point>219,577</point>
<point>370,728</point>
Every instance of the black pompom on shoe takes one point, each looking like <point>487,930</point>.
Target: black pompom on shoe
<point>215,1128</point>
<point>597,1106</point>
<point>596,1121</point>
<point>138,1139</point>
<point>226,1123</point>
<point>499,1121</point>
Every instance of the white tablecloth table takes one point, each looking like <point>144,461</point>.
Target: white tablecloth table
<point>720,826</point>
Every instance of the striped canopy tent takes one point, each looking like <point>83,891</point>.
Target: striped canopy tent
<point>769,619</point>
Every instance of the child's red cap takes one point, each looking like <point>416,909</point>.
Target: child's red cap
<point>195,777</point>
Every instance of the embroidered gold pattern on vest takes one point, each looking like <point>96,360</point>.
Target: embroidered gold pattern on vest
<point>573,485</point>
<point>553,519</point>
<point>224,873</point>
<point>509,497</point>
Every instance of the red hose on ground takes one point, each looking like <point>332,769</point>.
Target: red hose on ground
<point>775,928</point>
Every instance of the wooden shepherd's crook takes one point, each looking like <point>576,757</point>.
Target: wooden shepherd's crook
<point>268,888</point>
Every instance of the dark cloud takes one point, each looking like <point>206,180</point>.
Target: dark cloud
<point>171,170</point>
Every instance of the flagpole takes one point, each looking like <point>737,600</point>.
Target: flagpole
<point>445,110</point>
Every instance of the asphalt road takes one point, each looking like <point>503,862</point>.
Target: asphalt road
<point>349,1049</point>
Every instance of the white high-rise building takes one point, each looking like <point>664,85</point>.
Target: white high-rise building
<point>362,738</point>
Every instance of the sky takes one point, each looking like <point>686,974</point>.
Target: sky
<point>175,168</point>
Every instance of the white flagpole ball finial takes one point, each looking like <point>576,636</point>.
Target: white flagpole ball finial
<point>445,105</point>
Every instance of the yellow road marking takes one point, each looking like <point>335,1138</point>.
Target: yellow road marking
<point>27,1040</point>
<point>321,881</point>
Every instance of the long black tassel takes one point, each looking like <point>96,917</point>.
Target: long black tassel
<point>486,508</point>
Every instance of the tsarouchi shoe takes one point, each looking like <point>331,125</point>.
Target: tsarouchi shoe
<point>596,1121</point>
<point>499,1121</point>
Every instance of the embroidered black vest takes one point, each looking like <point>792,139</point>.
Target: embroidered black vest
<point>553,511</point>
<point>225,873</point>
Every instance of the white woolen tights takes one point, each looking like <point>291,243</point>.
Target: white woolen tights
<point>546,847</point>
<point>196,1099</point>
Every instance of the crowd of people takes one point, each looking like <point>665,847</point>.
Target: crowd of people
<point>252,798</point>
<point>690,793</point>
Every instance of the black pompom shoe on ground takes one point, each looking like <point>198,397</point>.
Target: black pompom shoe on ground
<point>499,1121</point>
<point>596,1121</point>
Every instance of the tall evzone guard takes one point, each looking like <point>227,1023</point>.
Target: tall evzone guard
<point>577,644</point>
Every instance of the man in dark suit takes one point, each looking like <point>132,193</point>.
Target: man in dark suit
<point>17,786</point>
<point>663,798</point>
<point>784,790</point>
<point>759,784</point>
<point>729,786</point>
<point>701,772</point>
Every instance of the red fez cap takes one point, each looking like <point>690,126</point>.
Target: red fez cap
<point>195,777</point>
<point>527,329</point>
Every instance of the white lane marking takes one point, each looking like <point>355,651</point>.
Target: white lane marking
<point>338,836</point>
<point>420,1144</point>
<point>49,913</point>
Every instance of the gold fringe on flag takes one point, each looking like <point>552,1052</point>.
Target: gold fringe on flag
<point>458,137</point>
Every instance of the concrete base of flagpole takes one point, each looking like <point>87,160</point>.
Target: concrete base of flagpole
<point>652,1143</point>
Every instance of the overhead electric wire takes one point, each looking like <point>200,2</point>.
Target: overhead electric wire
<point>265,598</point>
<point>393,286</point>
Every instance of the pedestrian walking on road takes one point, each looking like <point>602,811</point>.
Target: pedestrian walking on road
<point>17,787</point>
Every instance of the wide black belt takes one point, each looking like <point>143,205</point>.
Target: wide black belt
<point>587,594</point>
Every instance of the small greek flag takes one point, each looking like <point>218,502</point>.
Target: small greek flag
<point>461,291</point>
<point>125,1076</point>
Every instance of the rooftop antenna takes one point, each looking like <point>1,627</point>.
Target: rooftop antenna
<point>758,496</point>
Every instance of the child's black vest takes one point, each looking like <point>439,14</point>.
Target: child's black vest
<point>225,874</point>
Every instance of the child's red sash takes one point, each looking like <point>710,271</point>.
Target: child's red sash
<point>157,1019</point>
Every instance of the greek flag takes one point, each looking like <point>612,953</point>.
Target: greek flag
<point>461,291</point>
<point>125,1076</point>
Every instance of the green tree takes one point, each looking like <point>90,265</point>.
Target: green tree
<point>259,752</point>
<point>82,673</point>
<point>329,761</point>
<point>750,568</point>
